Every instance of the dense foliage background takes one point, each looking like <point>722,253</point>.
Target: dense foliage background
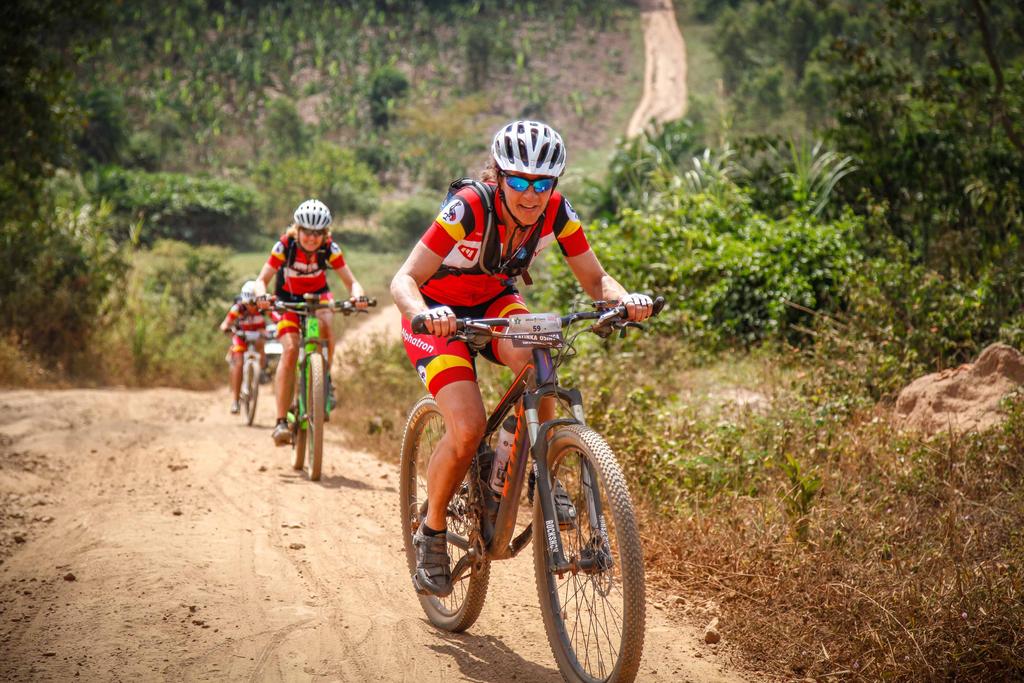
<point>840,212</point>
<point>130,124</point>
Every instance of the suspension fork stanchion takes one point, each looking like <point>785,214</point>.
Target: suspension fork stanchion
<point>544,494</point>
<point>593,501</point>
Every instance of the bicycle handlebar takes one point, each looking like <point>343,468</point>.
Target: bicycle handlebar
<point>312,304</point>
<point>607,320</point>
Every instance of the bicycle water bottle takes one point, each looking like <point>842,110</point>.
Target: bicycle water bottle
<point>506,437</point>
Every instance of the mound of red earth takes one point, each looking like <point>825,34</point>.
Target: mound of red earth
<point>965,398</point>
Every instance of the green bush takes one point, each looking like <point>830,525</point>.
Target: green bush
<point>162,328</point>
<point>329,172</point>
<point>104,136</point>
<point>144,151</point>
<point>194,209</point>
<point>640,166</point>
<point>55,273</point>
<point>904,319</point>
<point>286,134</point>
<point>731,274</point>
<point>407,219</point>
<point>388,86</point>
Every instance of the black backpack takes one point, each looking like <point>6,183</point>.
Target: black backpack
<point>490,262</point>
<point>322,259</point>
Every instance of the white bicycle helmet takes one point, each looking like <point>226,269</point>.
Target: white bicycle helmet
<point>529,147</point>
<point>248,294</point>
<point>313,214</point>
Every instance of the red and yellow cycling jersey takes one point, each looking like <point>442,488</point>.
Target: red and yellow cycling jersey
<point>250,322</point>
<point>457,235</point>
<point>246,317</point>
<point>306,272</point>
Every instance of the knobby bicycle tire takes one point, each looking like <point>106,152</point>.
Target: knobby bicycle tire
<point>594,620</point>
<point>457,611</point>
<point>251,377</point>
<point>315,424</point>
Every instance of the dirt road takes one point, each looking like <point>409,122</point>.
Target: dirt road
<point>158,538</point>
<point>664,95</point>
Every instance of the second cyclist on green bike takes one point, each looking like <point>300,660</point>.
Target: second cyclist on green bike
<point>303,255</point>
<point>466,265</point>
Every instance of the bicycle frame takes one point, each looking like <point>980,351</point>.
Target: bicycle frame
<point>534,383</point>
<point>310,342</point>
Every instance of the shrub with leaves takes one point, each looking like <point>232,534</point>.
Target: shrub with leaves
<point>55,273</point>
<point>162,328</point>
<point>731,274</point>
<point>194,209</point>
<point>406,220</point>
<point>331,173</point>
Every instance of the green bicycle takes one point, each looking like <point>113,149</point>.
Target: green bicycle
<point>311,406</point>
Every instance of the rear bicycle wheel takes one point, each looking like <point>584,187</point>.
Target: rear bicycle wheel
<point>593,613</point>
<point>251,379</point>
<point>460,609</point>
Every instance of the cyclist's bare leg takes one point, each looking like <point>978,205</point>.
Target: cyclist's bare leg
<point>284,379</point>
<point>236,374</point>
<point>464,419</point>
<point>263,354</point>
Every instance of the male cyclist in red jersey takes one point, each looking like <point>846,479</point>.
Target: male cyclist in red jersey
<point>303,254</point>
<point>445,277</point>
<point>250,324</point>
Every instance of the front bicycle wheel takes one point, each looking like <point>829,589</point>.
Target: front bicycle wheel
<point>460,609</point>
<point>594,612</point>
<point>315,422</point>
<point>252,384</point>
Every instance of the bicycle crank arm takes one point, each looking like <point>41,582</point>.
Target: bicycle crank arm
<point>464,565</point>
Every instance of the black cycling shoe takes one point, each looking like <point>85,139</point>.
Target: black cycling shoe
<point>433,575</point>
<point>564,509</point>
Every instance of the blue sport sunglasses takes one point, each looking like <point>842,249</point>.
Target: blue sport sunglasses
<point>519,184</point>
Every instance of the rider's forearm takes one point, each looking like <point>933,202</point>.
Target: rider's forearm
<point>406,294</point>
<point>603,286</point>
<point>356,289</point>
<point>266,272</point>
<point>610,289</point>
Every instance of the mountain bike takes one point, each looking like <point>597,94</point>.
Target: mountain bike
<point>311,407</point>
<point>589,571</point>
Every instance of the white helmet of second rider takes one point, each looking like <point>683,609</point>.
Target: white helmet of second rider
<point>529,147</point>
<point>249,293</point>
<point>312,214</point>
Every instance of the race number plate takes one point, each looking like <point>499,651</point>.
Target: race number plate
<point>536,329</point>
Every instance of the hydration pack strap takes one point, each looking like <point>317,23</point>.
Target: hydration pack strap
<point>290,252</point>
<point>490,258</point>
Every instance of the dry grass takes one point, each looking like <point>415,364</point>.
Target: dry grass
<point>913,566</point>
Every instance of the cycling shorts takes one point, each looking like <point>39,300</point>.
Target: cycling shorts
<point>289,322</point>
<point>441,361</point>
<point>240,342</point>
